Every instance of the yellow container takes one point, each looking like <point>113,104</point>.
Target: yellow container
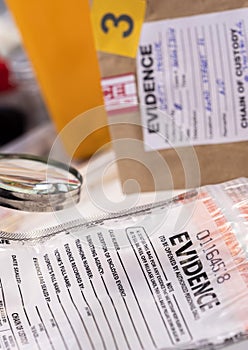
<point>58,38</point>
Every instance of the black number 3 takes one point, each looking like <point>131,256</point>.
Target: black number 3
<point>116,21</point>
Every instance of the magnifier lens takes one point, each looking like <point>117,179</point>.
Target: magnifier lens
<point>34,184</point>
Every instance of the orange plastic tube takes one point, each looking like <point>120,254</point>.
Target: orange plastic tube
<point>59,41</point>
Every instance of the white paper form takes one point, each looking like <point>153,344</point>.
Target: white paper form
<point>193,80</point>
<point>125,283</point>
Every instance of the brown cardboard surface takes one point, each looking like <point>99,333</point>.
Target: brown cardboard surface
<point>217,163</point>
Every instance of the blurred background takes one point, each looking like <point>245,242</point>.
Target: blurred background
<point>22,108</point>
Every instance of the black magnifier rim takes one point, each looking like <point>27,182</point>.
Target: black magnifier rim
<point>40,202</point>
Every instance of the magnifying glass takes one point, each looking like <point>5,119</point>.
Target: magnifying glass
<point>31,183</point>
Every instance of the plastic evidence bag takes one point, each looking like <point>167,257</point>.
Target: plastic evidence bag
<point>170,275</point>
